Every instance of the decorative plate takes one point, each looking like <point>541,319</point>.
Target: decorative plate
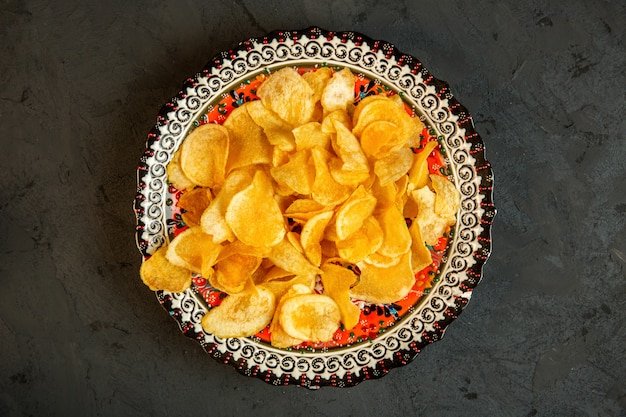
<point>387,336</point>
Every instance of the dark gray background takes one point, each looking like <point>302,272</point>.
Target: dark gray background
<point>81,84</point>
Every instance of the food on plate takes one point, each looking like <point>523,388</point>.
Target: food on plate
<point>303,205</point>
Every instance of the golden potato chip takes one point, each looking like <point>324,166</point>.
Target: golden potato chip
<point>276,273</point>
<point>338,116</point>
<point>160,274</point>
<point>204,153</point>
<point>237,247</point>
<point>310,135</point>
<point>190,248</point>
<point>364,102</point>
<point>396,236</point>
<point>312,234</point>
<point>381,261</point>
<point>337,281</point>
<point>298,174</point>
<point>233,273</point>
<point>287,94</point>
<point>420,255</point>
<point>376,134</point>
<point>280,287</point>
<point>241,315</point>
<point>175,174</point>
<point>193,203</point>
<point>393,166</point>
<point>349,150</point>
<point>248,144</point>
<point>339,91</point>
<point>432,225</point>
<point>303,209</point>
<point>384,285</point>
<point>251,204</point>
<point>350,216</point>
<point>418,174</point>
<point>213,219</point>
<point>277,131</point>
<point>313,317</point>
<point>279,338</point>
<point>326,190</point>
<point>317,80</point>
<point>362,243</point>
<point>287,257</point>
<point>447,198</point>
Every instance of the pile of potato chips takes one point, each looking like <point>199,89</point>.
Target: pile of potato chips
<point>298,188</point>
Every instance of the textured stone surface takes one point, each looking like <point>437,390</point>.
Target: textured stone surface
<point>80,86</point>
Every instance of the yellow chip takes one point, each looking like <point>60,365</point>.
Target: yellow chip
<point>241,315</point>
<point>303,209</point>
<point>175,174</point>
<point>362,243</point>
<point>233,273</point>
<point>384,285</point>
<point>396,236</point>
<point>191,248</point>
<point>287,257</point>
<point>447,198</point>
<point>239,248</point>
<point>287,94</point>
<point>338,116</point>
<point>298,174</point>
<point>193,203</point>
<point>213,219</point>
<point>313,317</point>
<point>326,190</point>
<point>350,216</point>
<point>204,153</point>
<point>310,135</point>
<point>432,225</point>
<point>312,234</point>
<point>160,274</point>
<point>420,255</point>
<point>317,80</point>
<point>277,131</point>
<point>376,134</point>
<point>279,338</point>
<point>393,166</point>
<point>248,144</point>
<point>337,281</point>
<point>339,91</point>
<point>349,150</point>
<point>251,204</point>
<point>418,174</point>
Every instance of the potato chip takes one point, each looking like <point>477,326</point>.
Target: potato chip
<point>376,134</point>
<point>350,216</point>
<point>313,317</point>
<point>418,174</point>
<point>393,166</point>
<point>287,94</point>
<point>396,236</point>
<point>213,219</point>
<point>175,174</point>
<point>160,274</point>
<point>241,315</point>
<point>247,206</point>
<point>381,261</point>
<point>420,255</point>
<point>303,209</point>
<point>193,203</point>
<point>338,116</point>
<point>337,281</point>
<point>310,135</point>
<point>204,153</point>
<point>339,91</point>
<point>349,150</point>
<point>298,174</point>
<point>287,257</point>
<point>326,190</point>
<point>312,234</point>
<point>233,273</point>
<point>191,247</point>
<point>279,338</point>
<point>447,198</point>
<point>277,131</point>
<point>317,80</point>
<point>248,144</point>
<point>432,225</point>
<point>362,243</point>
<point>237,247</point>
<point>384,285</point>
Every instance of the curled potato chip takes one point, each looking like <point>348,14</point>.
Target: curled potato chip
<point>158,273</point>
<point>310,135</point>
<point>418,174</point>
<point>241,314</point>
<point>191,247</point>
<point>313,317</point>
<point>233,273</point>
<point>376,134</point>
<point>304,209</point>
<point>193,203</point>
<point>396,236</point>
<point>248,144</point>
<point>432,225</point>
<point>350,216</point>
<point>384,285</point>
<point>175,174</point>
<point>317,80</point>
<point>362,243</point>
<point>420,255</point>
<point>298,173</point>
<point>279,338</point>
<point>326,190</point>
<point>204,153</point>
<point>393,166</point>
<point>312,234</point>
<point>245,208</point>
<point>287,94</point>
<point>447,199</point>
<point>338,93</point>
<point>277,130</point>
<point>337,281</point>
<point>287,257</point>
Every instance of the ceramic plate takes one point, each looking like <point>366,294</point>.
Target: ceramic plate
<point>387,336</point>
